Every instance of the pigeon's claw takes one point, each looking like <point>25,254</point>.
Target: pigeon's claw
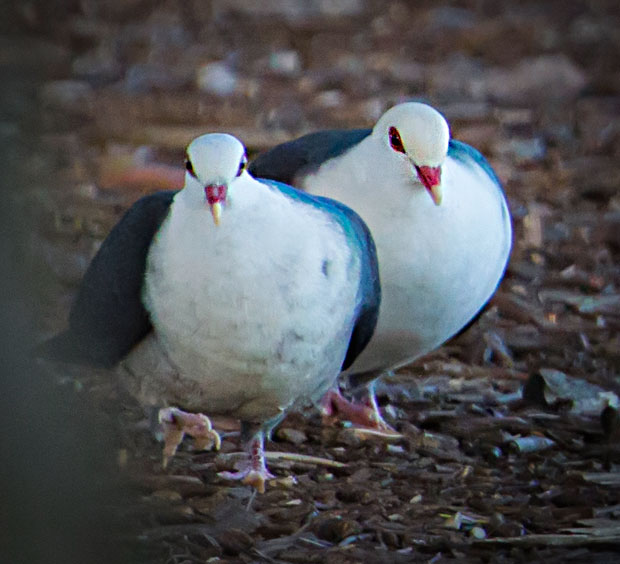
<point>176,424</point>
<point>251,477</point>
<point>334,406</point>
<point>253,471</point>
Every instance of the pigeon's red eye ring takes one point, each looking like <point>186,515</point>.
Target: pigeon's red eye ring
<point>189,167</point>
<point>395,141</point>
<point>242,165</point>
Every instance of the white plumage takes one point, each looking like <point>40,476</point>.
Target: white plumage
<point>245,307</point>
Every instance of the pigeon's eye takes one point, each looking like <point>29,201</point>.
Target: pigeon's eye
<point>242,165</point>
<point>395,140</point>
<point>189,167</point>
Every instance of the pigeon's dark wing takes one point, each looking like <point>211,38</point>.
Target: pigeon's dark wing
<point>286,162</point>
<point>108,318</point>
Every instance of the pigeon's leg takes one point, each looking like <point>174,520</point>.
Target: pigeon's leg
<point>253,471</point>
<point>365,413</point>
<point>176,424</point>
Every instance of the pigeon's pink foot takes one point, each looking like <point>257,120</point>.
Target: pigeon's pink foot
<point>335,406</point>
<point>254,471</point>
<point>176,424</point>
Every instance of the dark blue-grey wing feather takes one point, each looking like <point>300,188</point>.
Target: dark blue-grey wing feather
<point>287,161</point>
<point>108,317</point>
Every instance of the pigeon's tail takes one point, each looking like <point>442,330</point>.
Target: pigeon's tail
<point>66,347</point>
<point>61,347</point>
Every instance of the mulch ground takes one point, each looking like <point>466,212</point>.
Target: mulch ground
<point>508,446</point>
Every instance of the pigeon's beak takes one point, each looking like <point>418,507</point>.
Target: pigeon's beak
<point>430,176</point>
<point>216,212</point>
<point>216,196</point>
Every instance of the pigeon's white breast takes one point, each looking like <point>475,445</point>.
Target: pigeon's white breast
<point>438,264</point>
<point>257,311</point>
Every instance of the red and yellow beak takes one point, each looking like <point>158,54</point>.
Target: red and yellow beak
<point>430,176</point>
<point>216,196</point>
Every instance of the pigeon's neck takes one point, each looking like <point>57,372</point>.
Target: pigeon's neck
<point>359,179</point>
<point>252,209</point>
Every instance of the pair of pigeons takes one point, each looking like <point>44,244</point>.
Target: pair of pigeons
<point>241,295</point>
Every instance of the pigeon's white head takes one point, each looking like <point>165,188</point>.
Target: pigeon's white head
<point>213,163</point>
<point>417,135</point>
